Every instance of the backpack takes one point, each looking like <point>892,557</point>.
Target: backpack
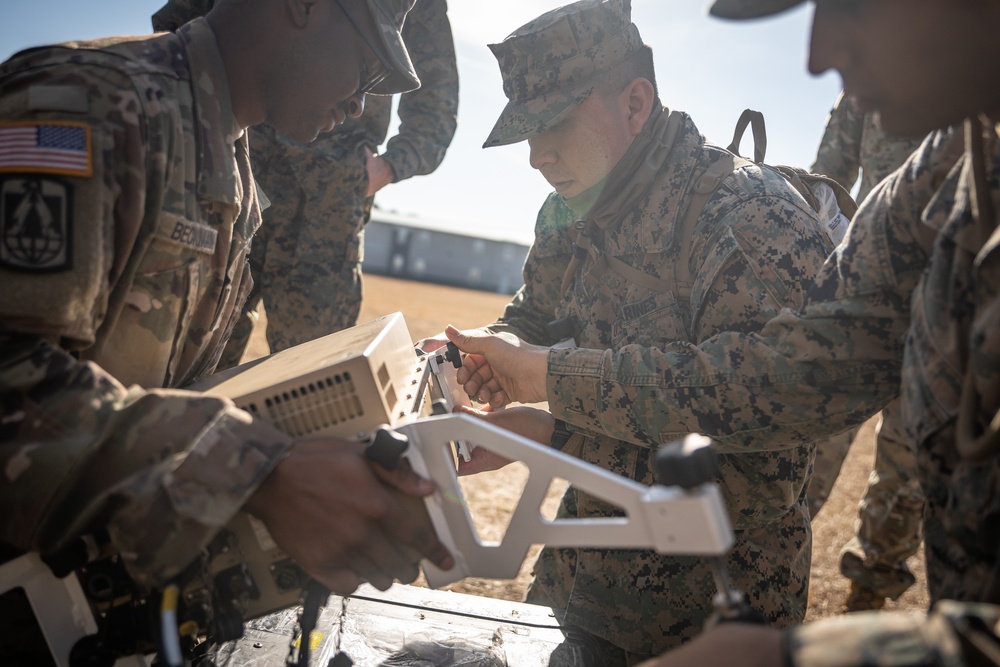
<point>831,200</point>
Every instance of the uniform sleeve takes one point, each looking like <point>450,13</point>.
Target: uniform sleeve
<point>428,115</point>
<point>952,635</point>
<point>806,373</point>
<point>528,314</point>
<point>161,470</point>
<point>839,153</point>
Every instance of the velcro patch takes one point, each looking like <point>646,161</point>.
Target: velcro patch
<point>36,224</point>
<point>46,147</point>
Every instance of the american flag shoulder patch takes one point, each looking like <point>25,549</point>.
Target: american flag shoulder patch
<point>46,147</point>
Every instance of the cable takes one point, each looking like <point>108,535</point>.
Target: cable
<point>169,636</point>
<point>315,598</point>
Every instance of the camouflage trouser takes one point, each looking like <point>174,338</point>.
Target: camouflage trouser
<point>830,455</point>
<point>628,605</point>
<point>890,514</point>
<point>580,648</point>
<point>306,257</point>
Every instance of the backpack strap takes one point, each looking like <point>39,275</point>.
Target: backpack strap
<point>803,180</point>
<point>603,263</point>
<point>580,248</point>
<point>634,275</point>
<point>755,120</point>
<point>683,281</point>
<point>702,191</point>
<point>710,182</point>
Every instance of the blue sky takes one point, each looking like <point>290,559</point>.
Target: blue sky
<point>710,68</point>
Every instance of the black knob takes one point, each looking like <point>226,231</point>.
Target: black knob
<point>454,355</point>
<point>686,463</point>
<point>74,555</point>
<point>386,447</point>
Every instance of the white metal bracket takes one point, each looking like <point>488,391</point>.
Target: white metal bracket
<point>59,605</point>
<point>667,519</point>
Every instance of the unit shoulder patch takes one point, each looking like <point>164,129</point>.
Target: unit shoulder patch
<point>36,224</point>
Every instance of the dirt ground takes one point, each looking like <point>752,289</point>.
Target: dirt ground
<point>492,496</point>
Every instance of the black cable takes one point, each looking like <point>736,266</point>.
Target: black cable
<point>451,612</point>
<point>315,597</point>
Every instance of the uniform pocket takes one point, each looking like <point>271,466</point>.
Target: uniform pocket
<point>152,327</point>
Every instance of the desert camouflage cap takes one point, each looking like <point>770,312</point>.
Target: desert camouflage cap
<point>388,17</point>
<point>551,64</point>
<point>750,9</point>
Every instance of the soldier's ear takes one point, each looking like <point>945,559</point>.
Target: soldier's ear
<point>638,98</point>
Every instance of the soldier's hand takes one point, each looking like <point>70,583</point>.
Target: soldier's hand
<point>431,343</point>
<point>531,423</point>
<point>500,368</point>
<point>345,520</point>
<point>726,645</point>
<point>380,172</point>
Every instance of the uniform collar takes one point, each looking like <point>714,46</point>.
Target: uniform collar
<point>641,166</point>
<point>218,175</point>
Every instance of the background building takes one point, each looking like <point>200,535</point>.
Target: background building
<point>399,246</point>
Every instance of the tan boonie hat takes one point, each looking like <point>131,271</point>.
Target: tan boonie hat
<point>750,9</point>
<point>551,64</point>
<point>387,15</point>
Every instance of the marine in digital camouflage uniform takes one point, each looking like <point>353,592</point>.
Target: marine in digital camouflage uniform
<point>854,145</point>
<point>907,306</point>
<point>755,251</point>
<point>127,205</point>
<point>888,530</point>
<point>306,259</point>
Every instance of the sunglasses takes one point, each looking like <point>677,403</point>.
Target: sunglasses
<point>371,76</point>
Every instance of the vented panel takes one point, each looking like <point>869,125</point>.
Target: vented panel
<point>311,407</point>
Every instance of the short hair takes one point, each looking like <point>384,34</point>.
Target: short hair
<point>639,65</point>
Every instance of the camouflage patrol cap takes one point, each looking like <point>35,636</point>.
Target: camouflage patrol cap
<point>551,64</point>
<point>750,9</point>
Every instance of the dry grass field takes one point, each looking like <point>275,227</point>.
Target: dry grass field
<point>491,497</point>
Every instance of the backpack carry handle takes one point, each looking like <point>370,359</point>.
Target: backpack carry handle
<point>755,120</point>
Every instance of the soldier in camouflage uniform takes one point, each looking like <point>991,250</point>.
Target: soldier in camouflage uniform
<point>855,144</point>
<point>575,77</point>
<point>127,205</point>
<point>306,259</point>
<point>890,513</point>
<point>907,306</point>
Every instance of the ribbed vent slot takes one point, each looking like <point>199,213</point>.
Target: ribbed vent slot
<point>312,407</point>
